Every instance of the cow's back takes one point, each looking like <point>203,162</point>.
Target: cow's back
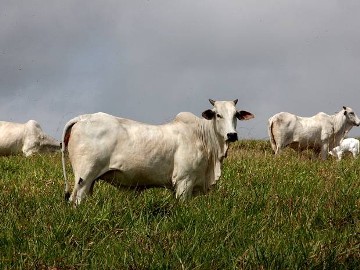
<point>11,137</point>
<point>311,132</point>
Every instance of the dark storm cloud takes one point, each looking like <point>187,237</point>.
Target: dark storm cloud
<point>149,60</point>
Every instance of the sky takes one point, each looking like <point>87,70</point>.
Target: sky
<point>148,60</point>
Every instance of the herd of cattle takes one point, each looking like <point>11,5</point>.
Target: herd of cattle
<point>185,154</point>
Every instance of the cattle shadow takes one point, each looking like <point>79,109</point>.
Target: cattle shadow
<point>157,201</point>
<point>159,209</point>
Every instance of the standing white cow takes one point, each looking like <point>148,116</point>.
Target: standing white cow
<point>27,138</point>
<point>320,132</point>
<point>185,154</point>
<point>346,145</point>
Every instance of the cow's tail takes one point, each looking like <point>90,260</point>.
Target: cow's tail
<point>271,134</point>
<point>64,142</point>
<point>67,193</point>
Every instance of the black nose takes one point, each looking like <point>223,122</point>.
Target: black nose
<point>232,137</point>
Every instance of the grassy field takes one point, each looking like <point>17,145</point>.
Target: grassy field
<point>289,212</point>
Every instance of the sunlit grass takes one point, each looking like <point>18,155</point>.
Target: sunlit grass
<point>287,212</point>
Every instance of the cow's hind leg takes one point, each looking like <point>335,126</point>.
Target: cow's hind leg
<point>184,188</point>
<point>84,190</point>
<point>277,150</point>
<point>81,190</point>
<point>83,187</point>
<point>280,145</point>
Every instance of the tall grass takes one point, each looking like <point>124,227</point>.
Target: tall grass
<point>266,212</point>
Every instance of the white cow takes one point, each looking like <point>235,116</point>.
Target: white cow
<point>185,154</point>
<point>320,132</point>
<point>27,138</point>
<point>346,145</point>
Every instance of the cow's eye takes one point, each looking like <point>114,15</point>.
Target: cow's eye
<point>351,113</point>
<point>218,115</point>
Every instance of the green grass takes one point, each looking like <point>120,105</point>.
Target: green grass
<point>266,212</point>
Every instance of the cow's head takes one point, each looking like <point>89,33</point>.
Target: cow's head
<point>224,115</point>
<point>351,117</point>
<point>48,144</point>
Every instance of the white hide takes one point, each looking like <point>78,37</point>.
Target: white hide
<point>27,138</point>
<point>346,145</point>
<point>320,132</point>
<point>185,154</point>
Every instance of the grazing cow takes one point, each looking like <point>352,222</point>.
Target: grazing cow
<point>25,138</point>
<point>320,132</point>
<point>346,145</point>
<point>185,154</point>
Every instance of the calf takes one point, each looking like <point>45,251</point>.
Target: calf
<point>346,145</point>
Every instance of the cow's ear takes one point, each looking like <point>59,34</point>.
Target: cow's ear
<point>212,101</point>
<point>235,101</point>
<point>244,115</point>
<point>345,112</point>
<point>208,114</point>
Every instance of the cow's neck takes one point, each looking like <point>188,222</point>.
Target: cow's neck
<point>215,148</point>
<point>341,126</point>
<point>214,143</point>
<point>223,148</point>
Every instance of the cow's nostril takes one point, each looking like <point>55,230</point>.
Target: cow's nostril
<point>232,137</point>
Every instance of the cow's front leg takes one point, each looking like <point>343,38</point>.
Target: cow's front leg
<point>324,151</point>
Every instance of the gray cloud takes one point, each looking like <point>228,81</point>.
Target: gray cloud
<point>149,60</point>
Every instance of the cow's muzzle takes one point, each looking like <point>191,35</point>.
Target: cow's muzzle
<point>232,137</point>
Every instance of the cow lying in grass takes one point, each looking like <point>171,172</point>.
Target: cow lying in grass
<point>27,138</point>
